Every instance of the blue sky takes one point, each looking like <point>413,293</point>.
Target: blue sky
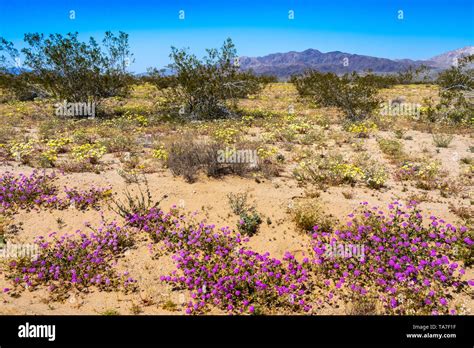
<point>257,27</point>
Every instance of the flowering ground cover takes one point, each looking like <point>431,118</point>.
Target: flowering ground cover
<point>294,238</point>
<point>38,190</point>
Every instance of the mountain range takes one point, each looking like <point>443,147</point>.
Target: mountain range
<point>286,64</point>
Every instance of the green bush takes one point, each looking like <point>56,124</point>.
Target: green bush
<point>67,69</point>
<point>249,223</point>
<point>456,89</point>
<point>204,86</point>
<point>354,94</point>
<point>391,147</point>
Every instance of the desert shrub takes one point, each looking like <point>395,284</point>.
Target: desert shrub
<point>187,158</point>
<point>84,135</point>
<point>249,222</point>
<point>238,202</point>
<point>442,140</point>
<point>409,267</point>
<point>392,148</point>
<point>204,86</point>
<point>456,87</point>
<point>160,153</point>
<point>53,127</point>
<point>309,213</point>
<point>7,134</point>
<point>354,94</point>
<point>314,136</point>
<point>68,69</point>
<point>410,75</point>
<point>456,104</point>
<point>429,110</point>
<point>250,219</point>
<point>157,78</point>
<point>135,203</point>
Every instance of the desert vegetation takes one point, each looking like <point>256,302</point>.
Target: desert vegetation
<point>214,190</point>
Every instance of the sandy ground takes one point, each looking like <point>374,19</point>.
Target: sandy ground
<point>272,198</point>
<point>208,197</point>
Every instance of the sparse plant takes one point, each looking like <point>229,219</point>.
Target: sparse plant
<point>170,306</point>
<point>110,312</point>
<point>135,204</point>
<point>238,202</point>
<point>309,213</point>
<point>392,148</point>
<point>249,222</point>
<point>442,140</point>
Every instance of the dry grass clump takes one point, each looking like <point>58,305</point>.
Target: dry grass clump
<point>308,213</point>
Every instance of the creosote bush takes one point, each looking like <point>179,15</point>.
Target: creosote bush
<point>456,87</point>
<point>205,86</point>
<point>354,94</point>
<point>67,69</point>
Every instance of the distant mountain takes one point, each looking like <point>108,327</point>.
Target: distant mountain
<point>445,60</point>
<point>284,65</point>
<point>16,70</point>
